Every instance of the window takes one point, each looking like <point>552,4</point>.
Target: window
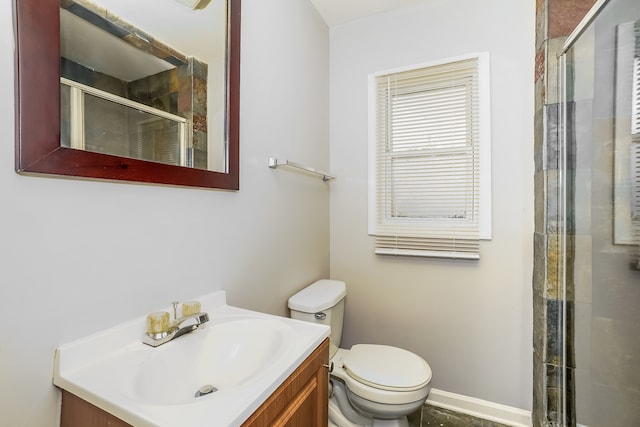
<point>429,159</point>
<point>635,146</point>
<point>626,175</point>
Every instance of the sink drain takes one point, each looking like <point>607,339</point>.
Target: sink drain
<point>205,389</point>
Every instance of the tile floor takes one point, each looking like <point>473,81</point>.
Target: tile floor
<point>433,416</point>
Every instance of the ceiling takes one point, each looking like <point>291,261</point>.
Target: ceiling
<point>80,39</point>
<point>336,12</point>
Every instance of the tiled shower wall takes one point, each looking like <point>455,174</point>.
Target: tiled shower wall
<point>181,91</point>
<point>555,19</point>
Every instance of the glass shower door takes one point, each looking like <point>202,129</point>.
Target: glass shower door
<point>601,116</point>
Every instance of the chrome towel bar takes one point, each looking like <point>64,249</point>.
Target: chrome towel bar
<point>274,163</point>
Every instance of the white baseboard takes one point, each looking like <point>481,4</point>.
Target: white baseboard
<point>480,408</point>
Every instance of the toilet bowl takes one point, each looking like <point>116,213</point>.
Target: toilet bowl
<point>371,385</point>
<point>381,383</point>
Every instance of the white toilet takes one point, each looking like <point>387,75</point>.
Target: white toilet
<point>371,385</point>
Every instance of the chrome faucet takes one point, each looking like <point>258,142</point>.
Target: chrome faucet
<point>180,326</point>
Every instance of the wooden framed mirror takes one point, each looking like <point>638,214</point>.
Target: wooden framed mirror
<point>38,111</point>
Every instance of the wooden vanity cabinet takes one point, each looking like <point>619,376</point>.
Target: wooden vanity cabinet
<point>300,401</point>
<point>77,412</point>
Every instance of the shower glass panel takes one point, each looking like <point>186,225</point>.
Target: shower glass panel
<point>98,121</point>
<point>601,101</point>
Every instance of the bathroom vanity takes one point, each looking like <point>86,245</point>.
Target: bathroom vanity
<point>263,370</point>
<point>300,401</point>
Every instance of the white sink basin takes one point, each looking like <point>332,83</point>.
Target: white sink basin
<point>243,355</point>
<point>222,355</point>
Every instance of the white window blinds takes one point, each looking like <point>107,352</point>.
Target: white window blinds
<point>635,148</point>
<point>427,161</point>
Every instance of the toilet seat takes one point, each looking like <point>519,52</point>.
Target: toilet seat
<point>383,374</point>
<point>387,368</point>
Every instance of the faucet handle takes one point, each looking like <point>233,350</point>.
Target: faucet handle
<point>157,323</point>
<point>190,307</point>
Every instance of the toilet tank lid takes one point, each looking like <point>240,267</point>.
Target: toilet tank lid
<point>318,296</point>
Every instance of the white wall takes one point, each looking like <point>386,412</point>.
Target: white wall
<point>472,321</point>
<point>80,256</point>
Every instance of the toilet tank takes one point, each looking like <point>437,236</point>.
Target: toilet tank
<point>322,302</point>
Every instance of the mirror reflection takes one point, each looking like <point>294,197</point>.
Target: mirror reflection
<point>148,84</point>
